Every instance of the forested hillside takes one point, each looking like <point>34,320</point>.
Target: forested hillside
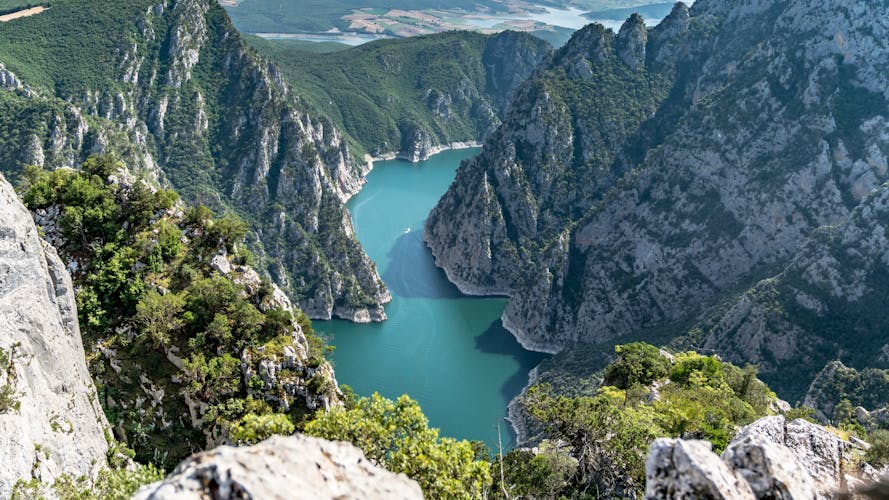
<point>171,88</point>
<point>411,95</point>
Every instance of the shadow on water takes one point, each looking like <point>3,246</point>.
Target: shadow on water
<point>497,340</point>
<point>412,273</point>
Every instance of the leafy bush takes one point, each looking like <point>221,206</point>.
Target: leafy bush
<point>637,363</point>
<point>253,428</point>
<point>878,454</point>
<point>545,474</point>
<point>112,484</point>
<point>396,435</point>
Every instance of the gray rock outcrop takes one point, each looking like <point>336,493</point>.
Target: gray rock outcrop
<point>678,468</point>
<point>295,467</point>
<point>771,457</point>
<point>50,420</point>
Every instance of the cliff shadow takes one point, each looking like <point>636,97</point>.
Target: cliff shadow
<point>412,272</point>
<point>497,340</point>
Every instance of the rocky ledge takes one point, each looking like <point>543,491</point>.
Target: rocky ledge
<point>294,467</point>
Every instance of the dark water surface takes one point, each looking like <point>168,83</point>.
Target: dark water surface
<point>446,350</point>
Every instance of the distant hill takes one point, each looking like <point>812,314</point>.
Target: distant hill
<point>410,95</point>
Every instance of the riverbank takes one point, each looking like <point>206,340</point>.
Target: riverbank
<point>369,161</point>
<point>434,150</point>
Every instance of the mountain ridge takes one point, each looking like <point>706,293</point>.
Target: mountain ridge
<point>190,105</point>
<point>759,141</point>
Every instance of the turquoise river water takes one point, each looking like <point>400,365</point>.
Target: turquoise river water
<point>446,350</point>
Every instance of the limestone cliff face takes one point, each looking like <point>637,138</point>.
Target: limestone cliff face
<point>282,467</point>
<point>50,420</point>
<point>761,122</point>
<point>191,105</point>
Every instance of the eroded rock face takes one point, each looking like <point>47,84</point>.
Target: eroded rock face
<point>686,469</point>
<point>771,470</point>
<point>771,457</point>
<point>826,304</point>
<point>50,420</point>
<point>295,467</point>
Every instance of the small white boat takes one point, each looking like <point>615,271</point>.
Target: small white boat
<point>407,230</point>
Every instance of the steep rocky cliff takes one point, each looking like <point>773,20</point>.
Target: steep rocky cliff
<point>171,87</point>
<point>723,139</point>
<point>827,304</point>
<point>282,467</point>
<point>50,420</point>
<point>410,97</point>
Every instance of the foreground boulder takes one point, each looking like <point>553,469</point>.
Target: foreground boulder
<point>50,421</point>
<point>294,467</point>
<point>679,468</point>
<point>772,457</point>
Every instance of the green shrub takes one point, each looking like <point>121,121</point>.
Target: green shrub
<point>545,474</point>
<point>396,435</point>
<point>878,454</point>
<point>690,364</point>
<point>146,292</point>
<point>702,398</point>
<point>637,364</point>
<point>252,428</point>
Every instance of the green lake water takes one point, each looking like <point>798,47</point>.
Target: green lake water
<point>446,350</point>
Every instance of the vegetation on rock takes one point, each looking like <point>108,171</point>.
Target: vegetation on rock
<point>168,310</point>
<point>686,395</point>
<point>173,90</point>
<point>391,95</point>
<point>8,394</point>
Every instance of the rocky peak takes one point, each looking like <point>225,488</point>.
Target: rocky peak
<point>631,41</point>
<point>592,42</point>
<point>296,467</point>
<point>665,37</point>
<point>50,420</point>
